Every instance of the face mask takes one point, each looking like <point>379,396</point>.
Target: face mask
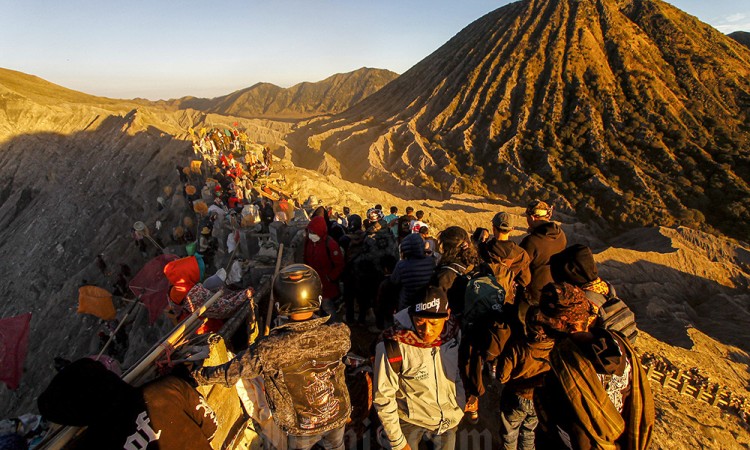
<point>313,237</point>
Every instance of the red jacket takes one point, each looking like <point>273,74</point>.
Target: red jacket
<point>328,262</point>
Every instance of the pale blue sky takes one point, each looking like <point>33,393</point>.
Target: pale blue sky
<point>167,48</point>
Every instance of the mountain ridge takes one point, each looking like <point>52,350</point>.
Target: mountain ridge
<point>605,108</point>
<point>743,37</point>
<point>331,95</point>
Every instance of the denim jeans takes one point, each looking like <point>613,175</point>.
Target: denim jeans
<point>517,420</point>
<point>414,435</point>
<point>332,440</point>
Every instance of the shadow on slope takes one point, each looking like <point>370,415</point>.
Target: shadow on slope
<point>66,199</point>
<point>666,301</point>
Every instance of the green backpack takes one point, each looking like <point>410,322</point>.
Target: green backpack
<point>483,300</point>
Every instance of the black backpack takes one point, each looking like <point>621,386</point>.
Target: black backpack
<point>614,313</point>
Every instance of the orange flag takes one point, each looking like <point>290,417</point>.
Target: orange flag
<point>96,301</point>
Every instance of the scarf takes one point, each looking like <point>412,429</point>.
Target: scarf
<point>409,337</point>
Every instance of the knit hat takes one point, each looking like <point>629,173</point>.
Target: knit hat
<point>538,208</point>
<point>501,221</point>
<point>564,307</point>
<point>434,305</point>
<point>574,265</point>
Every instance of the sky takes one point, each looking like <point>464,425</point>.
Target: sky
<point>160,49</point>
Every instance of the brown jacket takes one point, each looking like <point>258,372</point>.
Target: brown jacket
<point>522,365</point>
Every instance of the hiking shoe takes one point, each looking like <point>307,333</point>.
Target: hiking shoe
<point>472,417</point>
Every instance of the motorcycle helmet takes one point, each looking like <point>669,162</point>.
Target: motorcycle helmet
<point>297,289</point>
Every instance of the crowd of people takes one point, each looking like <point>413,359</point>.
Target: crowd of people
<point>453,311</point>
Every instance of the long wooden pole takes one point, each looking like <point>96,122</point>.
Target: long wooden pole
<point>269,314</point>
<point>174,337</point>
<point>119,325</point>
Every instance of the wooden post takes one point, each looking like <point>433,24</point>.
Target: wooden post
<point>269,313</point>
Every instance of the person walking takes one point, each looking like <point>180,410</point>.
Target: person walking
<point>419,393</point>
<point>301,365</point>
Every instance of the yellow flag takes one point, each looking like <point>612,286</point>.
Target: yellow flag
<point>195,166</point>
<point>96,301</point>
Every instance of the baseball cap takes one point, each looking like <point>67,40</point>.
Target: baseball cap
<point>501,221</point>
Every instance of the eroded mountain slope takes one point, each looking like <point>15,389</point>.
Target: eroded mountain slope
<point>629,111</point>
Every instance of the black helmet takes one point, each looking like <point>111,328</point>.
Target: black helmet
<point>297,289</point>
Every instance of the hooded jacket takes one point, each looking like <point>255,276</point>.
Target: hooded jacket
<point>325,256</point>
<point>511,255</point>
<point>427,392</point>
<point>302,372</point>
<point>413,272</point>
<point>166,414</point>
<point>523,363</point>
<point>544,240</point>
<point>574,265</point>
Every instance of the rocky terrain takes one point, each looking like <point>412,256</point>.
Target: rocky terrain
<point>304,100</point>
<point>630,111</point>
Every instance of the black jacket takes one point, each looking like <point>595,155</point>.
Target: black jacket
<point>543,241</point>
<point>166,414</point>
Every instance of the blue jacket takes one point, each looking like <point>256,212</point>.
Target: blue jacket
<point>413,272</point>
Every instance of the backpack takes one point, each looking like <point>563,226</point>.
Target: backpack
<point>483,300</point>
<point>358,376</point>
<point>614,313</point>
<point>505,278</point>
<point>393,354</point>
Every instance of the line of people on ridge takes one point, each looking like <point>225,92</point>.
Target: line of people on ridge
<point>452,315</point>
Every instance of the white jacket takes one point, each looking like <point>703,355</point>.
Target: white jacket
<point>428,392</point>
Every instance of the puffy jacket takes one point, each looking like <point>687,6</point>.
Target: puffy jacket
<point>544,240</point>
<point>299,362</point>
<point>428,392</point>
<point>414,272</point>
<point>325,256</point>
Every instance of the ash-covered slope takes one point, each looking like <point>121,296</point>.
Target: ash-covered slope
<point>76,172</point>
<point>265,100</point>
<point>627,110</point>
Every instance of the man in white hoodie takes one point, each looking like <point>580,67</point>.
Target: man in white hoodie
<point>419,392</point>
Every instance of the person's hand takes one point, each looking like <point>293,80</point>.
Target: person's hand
<point>472,404</point>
